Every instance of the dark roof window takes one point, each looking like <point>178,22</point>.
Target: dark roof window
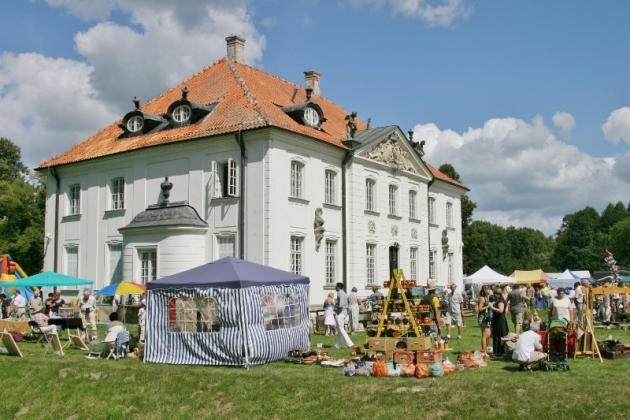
<point>306,113</point>
<point>138,122</point>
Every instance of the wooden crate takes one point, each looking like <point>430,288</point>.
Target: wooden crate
<point>386,356</point>
<point>428,356</point>
<point>404,357</point>
<point>419,343</point>
<point>381,343</point>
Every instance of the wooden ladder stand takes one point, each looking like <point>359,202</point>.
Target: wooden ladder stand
<point>396,285</point>
<point>586,345</point>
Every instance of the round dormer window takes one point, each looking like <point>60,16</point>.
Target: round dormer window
<point>182,113</point>
<point>135,124</point>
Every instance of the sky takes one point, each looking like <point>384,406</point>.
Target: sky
<point>529,101</point>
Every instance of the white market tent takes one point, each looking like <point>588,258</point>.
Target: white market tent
<point>567,278</point>
<point>486,275</point>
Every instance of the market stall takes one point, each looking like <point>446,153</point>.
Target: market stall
<point>227,312</point>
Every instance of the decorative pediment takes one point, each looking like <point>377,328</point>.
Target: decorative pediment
<point>390,153</point>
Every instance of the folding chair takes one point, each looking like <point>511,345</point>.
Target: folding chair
<point>121,346</point>
<point>38,333</point>
<point>96,348</point>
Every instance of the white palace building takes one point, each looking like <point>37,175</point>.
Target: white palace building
<point>238,162</point>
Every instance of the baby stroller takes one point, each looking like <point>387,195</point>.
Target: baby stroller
<point>557,346</point>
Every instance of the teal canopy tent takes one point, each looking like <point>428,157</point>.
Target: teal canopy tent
<point>48,279</point>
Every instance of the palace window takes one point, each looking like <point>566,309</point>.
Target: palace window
<point>296,254</point>
<point>412,204</point>
<point>118,193</point>
<point>370,195</point>
<point>370,264</point>
<point>297,179</point>
<point>74,199</point>
<point>330,190</point>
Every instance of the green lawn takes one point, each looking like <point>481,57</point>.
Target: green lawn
<point>38,386</point>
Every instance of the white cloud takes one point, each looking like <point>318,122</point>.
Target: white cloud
<point>520,174</point>
<point>48,104</point>
<point>617,127</point>
<point>565,122</point>
<point>269,22</point>
<point>433,13</point>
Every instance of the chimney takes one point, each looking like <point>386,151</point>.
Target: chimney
<point>311,81</point>
<point>236,48</point>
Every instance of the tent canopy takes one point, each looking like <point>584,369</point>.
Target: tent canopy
<point>568,275</point>
<point>530,276</point>
<point>49,279</point>
<point>229,273</point>
<point>486,275</point>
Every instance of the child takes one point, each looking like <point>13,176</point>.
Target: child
<point>329,315</point>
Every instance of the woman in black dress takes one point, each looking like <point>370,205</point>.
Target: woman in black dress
<point>499,321</point>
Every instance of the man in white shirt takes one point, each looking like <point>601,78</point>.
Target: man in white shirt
<point>88,309</point>
<point>19,302</point>
<point>528,349</point>
<point>455,309</point>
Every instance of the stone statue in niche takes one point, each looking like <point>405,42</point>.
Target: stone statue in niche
<point>394,230</point>
<point>444,243</point>
<point>414,233</point>
<point>351,125</point>
<point>371,227</point>
<point>318,228</point>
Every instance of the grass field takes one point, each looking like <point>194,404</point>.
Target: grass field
<point>73,387</point>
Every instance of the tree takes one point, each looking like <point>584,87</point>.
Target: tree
<point>620,243</point>
<point>11,166</point>
<point>580,243</point>
<point>21,210</point>
<point>612,215</point>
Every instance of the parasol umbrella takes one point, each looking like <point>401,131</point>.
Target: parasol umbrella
<point>122,288</point>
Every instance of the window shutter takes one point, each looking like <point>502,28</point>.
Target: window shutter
<point>216,181</point>
<point>232,178</point>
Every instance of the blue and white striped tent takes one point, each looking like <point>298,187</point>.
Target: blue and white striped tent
<point>227,312</point>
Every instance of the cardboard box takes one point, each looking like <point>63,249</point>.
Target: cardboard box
<point>404,357</point>
<point>381,343</point>
<point>419,343</point>
<point>386,356</point>
<point>428,356</point>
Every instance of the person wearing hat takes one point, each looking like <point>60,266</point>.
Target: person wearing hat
<point>433,302</point>
<point>42,320</point>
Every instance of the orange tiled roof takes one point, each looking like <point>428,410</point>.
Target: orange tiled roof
<point>443,177</point>
<point>247,98</point>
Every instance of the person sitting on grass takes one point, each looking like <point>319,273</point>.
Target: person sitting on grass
<point>528,349</point>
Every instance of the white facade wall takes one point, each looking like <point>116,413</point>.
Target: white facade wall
<point>443,194</point>
<point>272,217</point>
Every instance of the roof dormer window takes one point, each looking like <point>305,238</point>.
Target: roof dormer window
<point>307,113</point>
<point>138,122</point>
<point>182,113</point>
<point>186,112</point>
<point>135,124</point>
